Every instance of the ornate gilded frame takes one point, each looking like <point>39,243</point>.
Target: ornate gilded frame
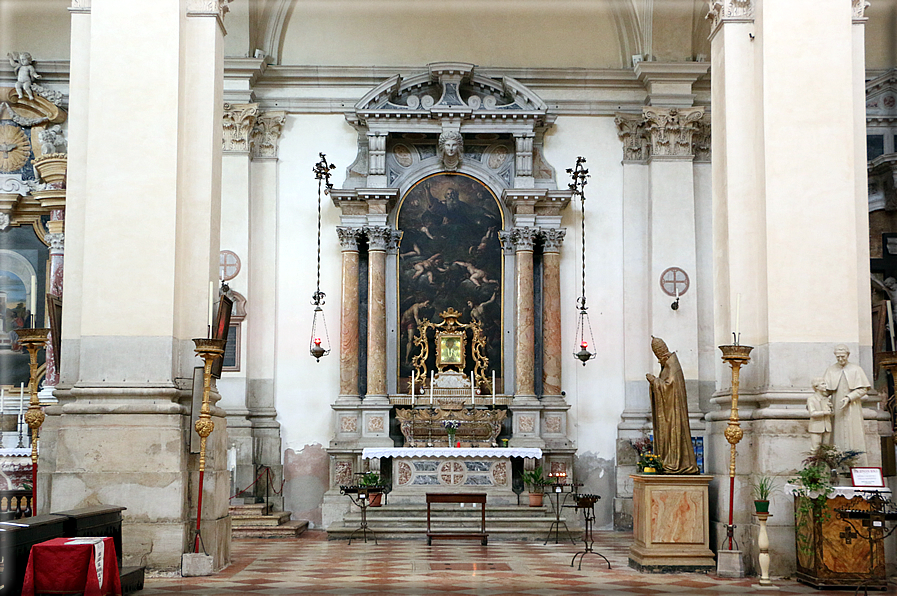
<point>450,328</point>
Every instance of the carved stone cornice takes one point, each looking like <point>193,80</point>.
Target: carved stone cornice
<point>266,134</point>
<point>722,11</point>
<point>524,238</point>
<point>348,238</point>
<point>379,238</point>
<point>80,6</point>
<point>672,130</point>
<point>859,9</point>
<point>213,8</point>
<point>634,135</point>
<point>239,119</point>
<point>552,238</point>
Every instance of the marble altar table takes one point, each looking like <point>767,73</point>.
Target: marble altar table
<point>417,471</point>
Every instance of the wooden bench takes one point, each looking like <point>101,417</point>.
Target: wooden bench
<point>458,498</point>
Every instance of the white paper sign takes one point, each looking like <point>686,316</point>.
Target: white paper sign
<point>867,477</point>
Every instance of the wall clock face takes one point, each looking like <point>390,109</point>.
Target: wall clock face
<point>14,148</point>
<point>674,281</point>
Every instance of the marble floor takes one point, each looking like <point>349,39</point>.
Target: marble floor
<point>313,565</point>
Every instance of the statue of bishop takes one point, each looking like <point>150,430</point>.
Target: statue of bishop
<point>669,413</point>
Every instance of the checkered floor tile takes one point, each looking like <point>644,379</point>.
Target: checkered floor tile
<point>313,565</point>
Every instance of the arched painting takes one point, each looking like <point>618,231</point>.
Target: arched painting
<point>450,256</point>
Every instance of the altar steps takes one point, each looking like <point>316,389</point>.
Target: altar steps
<point>503,522</point>
<point>256,521</point>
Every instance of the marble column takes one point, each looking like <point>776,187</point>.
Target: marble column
<point>348,344</point>
<point>378,239</point>
<point>523,239</point>
<point>57,254</point>
<point>552,344</point>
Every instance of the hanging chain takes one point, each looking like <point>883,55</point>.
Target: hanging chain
<point>322,171</point>
<point>580,177</point>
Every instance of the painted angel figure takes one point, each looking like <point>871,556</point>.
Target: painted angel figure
<point>25,73</point>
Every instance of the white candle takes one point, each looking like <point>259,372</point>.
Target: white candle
<point>431,387</point>
<point>891,323</point>
<point>737,317</point>
<point>34,301</point>
<point>2,400</point>
<point>211,303</point>
<point>412,388</point>
<point>21,420</point>
<point>493,387</point>
<point>472,393</point>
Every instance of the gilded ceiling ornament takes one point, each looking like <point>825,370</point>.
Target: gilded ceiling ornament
<point>14,148</point>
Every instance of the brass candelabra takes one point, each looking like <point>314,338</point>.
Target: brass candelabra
<point>735,356</point>
<point>33,340</point>
<point>208,349</point>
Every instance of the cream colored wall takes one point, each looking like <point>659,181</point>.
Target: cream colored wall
<point>41,27</point>
<point>881,35</point>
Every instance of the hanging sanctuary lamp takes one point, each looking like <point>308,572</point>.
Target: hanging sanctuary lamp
<point>319,346</point>
<point>584,336</point>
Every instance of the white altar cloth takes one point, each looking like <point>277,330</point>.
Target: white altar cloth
<point>474,452</point>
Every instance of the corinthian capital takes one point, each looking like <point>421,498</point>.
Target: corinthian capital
<point>672,130</point>
<point>523,238</point>
<point>239,118</point>
<point>729,10</point>
<point>634,136</point>
<point>56,241</point>
<point>552,238</point>
<point>266,133</point>
<point>379,237</point>
<point>859,8</point>
<point>348,238</point>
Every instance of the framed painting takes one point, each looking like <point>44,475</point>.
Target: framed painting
<point>222,327</point>
<point>450,350</point>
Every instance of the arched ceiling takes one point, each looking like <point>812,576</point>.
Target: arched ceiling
<point>513,33</point>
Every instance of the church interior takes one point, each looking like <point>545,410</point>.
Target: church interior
<point>263,262</point>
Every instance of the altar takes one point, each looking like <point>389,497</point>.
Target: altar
<point>420,470</point>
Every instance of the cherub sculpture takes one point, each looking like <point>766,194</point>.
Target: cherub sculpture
<point>25,73</point>
<point>52,140</point>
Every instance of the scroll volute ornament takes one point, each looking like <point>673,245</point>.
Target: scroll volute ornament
<point>450,328</point>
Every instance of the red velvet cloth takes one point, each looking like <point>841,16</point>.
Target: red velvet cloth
<point>56,567</point>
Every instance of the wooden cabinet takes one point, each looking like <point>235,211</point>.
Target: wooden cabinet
<point>833,552</point>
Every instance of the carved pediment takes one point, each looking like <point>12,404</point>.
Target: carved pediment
<point>449,89</point>
<point>881,97</point>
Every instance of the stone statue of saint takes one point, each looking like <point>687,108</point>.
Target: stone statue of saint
<point>846,383</point>
<point>451,149</point>
<point>669,413</point>
<point>820,407</point>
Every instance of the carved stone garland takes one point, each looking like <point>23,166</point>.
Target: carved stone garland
<point>450,325</point>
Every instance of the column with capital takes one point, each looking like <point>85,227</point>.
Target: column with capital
<point>348,343</point>
<point>552,346</point>
<point>379,238</point>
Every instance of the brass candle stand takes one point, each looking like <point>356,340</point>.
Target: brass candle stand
<point>33,340</point>
<point>208,349</point>
<point>735,356</point>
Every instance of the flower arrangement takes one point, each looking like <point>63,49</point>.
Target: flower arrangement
<point>451,426</point>
<point>643,445</point>
<point>831,458</point>
<point>650,461</point>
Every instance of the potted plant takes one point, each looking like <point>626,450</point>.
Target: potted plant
<point>374,484</point>
<point>650,463</point>
<point>832,459</point>
<point>763,487</point>
<point>534,482</point>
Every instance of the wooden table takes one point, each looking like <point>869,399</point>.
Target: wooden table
<point>458,498</point>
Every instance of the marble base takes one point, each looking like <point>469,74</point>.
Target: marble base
<point>414,477</point>
<point>671,523</point>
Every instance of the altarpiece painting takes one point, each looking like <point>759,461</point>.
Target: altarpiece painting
<point>450,257</point>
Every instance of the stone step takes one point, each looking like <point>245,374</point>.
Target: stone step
<point>338,531</point>
<point>275,519</point>
<point>244,510</point>
<point>290,529</point>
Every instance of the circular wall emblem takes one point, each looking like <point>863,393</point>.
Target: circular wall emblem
<point>674,281</point>
<point>228,265</point>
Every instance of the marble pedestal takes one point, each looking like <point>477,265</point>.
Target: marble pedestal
<point>671,523</point>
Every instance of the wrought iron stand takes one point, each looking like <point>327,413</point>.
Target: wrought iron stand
<point>359,495</point>
<point>587,504</point>
<point>560,492</point>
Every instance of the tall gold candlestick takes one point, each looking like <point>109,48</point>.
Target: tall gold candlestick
<point>207,349</point>
<point>33,340</point>
<point>735,356</point>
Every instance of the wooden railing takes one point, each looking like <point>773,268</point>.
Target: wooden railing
<point>15,504</point>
